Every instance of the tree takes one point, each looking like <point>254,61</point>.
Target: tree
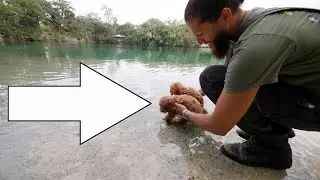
<point>59,14</point>
<point>55,19</point>
<point>108,15</point>
<point>20,19</point>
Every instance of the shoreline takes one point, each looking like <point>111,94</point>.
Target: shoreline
<point>71,40</point>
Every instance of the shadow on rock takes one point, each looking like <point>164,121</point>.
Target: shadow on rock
<point>204,159</point>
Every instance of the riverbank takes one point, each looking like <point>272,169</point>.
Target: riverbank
<point>73,40</point>
<point>64,39</point>
<point>48,38</point>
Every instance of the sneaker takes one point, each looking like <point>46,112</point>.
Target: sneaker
<point>263,151</point>
<point>247,136</point>
<point>243,134</point>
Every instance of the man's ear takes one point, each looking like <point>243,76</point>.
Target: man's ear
<point>226,17</point>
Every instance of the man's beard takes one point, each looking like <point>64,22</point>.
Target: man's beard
<point>220,45</point>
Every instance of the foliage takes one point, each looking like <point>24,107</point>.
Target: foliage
<point>56,20</point>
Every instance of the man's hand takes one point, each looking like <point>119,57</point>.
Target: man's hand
<point>180,108</point>
<point>229,110</point>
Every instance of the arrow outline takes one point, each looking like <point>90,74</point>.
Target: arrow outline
<point>78,86</point>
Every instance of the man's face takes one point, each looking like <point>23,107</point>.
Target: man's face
<point>214,34</point>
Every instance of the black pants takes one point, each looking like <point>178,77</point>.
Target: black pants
<point>276,109</point>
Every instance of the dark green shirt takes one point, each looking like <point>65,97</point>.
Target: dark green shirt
<point>281,46</point>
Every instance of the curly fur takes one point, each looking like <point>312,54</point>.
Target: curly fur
<point>177,88</point>
<point>167,105</point>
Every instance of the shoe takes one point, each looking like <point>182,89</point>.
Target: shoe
<point>243,134</point>
<point>247,136</point>
<point>261,151</point>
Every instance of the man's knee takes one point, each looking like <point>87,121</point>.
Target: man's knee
<point>212,74</point>
<point>212,81</point>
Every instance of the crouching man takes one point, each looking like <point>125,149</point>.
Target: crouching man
<point>271,82</point>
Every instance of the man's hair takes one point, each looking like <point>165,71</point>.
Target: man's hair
<point>209,10</point>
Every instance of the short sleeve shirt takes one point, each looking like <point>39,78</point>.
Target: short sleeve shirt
<point>284,45</point>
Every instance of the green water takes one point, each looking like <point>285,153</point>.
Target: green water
<point>142,147</point>
<point>34,63</point>
<point>109,52</point>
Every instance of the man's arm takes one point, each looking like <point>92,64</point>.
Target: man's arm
<point>253,65</point>
<point>229,110</point>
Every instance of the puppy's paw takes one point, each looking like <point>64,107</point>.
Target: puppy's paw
<point>166,118</point>
<point>179,120</point>
<point>168,122</point>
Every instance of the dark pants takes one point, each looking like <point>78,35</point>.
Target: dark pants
<point>275,110</point>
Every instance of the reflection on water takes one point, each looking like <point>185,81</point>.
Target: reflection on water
<point>140,148</point>
<point>109,52</point>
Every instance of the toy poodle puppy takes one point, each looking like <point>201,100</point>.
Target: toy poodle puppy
<point>177,88</point>
<point>167,105</point>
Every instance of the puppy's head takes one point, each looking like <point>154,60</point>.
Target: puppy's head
<point>166,104</point>
<point>176,87</point>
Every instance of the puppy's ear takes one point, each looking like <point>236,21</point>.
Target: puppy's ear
<point>171,99</point>
<point>171,103</point>
<point>173,88</point>
<point>179,85</point>
<point>176,90</point>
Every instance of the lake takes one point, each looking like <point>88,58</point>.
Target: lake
<point>142,146</point>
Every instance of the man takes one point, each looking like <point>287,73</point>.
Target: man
<point>271,82</point>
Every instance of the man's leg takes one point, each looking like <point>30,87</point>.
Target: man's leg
<point>270,147</point>
<point>287,105</point>
<point>268,119</point>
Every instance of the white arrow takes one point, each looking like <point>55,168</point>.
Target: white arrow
<point>98,103</point>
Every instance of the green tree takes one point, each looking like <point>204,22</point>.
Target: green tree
<point>20,19</point>
<point>59,14</point>
<point>55,19</point>
<point>108,15</point>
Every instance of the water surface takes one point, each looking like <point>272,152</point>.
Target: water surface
<point>141,147</point>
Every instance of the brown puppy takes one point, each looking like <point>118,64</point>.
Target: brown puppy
<point>177,88</point>
<point>167,105</point>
